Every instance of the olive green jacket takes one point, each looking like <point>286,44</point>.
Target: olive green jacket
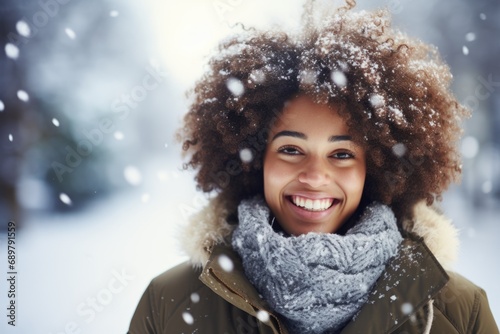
<point>413,295</point>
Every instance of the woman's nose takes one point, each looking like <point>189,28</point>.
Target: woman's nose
<point>315,173</point>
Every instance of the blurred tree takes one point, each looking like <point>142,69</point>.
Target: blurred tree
<point>62,66</point>
<point>12,111</point>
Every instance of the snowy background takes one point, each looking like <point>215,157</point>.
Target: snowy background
<point>105,80</point>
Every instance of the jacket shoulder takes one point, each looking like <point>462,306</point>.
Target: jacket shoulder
<point>465,306</point>
<point>179,282</point>
<point>167,296</point>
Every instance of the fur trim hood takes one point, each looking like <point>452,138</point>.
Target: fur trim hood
<point>208,228</point>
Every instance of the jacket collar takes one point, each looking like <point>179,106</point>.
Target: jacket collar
<point>390,304</point>
<point>224,274</point>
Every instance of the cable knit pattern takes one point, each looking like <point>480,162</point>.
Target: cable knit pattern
<point>316,281</point>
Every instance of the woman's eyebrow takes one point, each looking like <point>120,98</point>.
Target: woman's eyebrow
<point>301,135</point>
<point>340,138</point>
<point>289,134</point>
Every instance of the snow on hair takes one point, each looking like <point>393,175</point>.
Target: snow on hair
<point>394,92</point>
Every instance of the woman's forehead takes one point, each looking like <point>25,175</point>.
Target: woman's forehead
<point>303,111</point>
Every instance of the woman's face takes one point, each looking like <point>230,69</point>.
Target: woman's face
<point>314,172</point>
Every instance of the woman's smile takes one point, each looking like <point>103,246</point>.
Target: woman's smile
<point>311,204</point>
<point>309,211</point>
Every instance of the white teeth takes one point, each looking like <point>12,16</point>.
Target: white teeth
<point>312,204</point>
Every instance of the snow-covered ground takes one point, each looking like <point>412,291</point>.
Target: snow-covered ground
<point>84,273</point>
<point>87,271</point>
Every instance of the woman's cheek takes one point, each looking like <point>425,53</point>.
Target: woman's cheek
<point>355,180</point>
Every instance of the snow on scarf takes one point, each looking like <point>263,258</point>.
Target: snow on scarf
<point>316,281</point>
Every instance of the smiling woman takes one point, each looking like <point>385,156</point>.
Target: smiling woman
<point>314,173</point>
<point>333,146</point>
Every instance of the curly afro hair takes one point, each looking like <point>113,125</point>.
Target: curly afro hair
<point>395,93</point>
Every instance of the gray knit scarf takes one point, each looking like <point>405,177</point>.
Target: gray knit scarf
<point>316,281</point>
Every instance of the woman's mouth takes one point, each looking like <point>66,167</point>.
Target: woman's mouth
<point>311,204</point>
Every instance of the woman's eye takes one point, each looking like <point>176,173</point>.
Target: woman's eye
<point>289,150</point>
<point>343,155</point>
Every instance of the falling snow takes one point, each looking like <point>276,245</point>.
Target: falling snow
<point>399,149</point>
<point>118,135</point>
<point>465,50</point>
<point>11,51</point>
<point>23,28</point>
<point>470,37</point>
<point>469,147</point>
<point>339,78</point>
<point>487,187</point>
<point>71,34</point>
<point>162,176</point>
<point>23,96</point>
<point>407,308</point>
<point>145,198</point>
<point>188,318</point>
<point>263,316</point>
<point>256,77</point>
<point>226,263</point>
<point>65,199</point>
<point>132,175</point>
<point>246,155</point>
<point>195,298</point>
<point>235,87</point>
<point>55,122</point>
<point>11,138</point>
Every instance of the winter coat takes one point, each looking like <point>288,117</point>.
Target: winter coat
<point>415,294</point>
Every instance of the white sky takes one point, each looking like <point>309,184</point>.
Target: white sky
<point>188,31</point>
